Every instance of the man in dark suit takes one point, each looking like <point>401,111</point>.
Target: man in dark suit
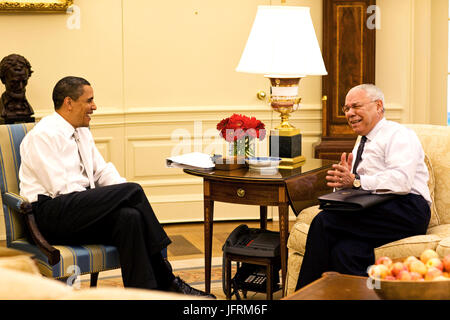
<point>388,158</point>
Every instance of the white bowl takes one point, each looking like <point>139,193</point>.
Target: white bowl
<point>263,162</point>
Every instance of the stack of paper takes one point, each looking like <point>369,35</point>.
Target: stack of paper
<point>194,160</point>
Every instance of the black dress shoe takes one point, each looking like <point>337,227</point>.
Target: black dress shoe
<point>180,286</point>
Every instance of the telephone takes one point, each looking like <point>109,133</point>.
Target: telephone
<point>251,242</point>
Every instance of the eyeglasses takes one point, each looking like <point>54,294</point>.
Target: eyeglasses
<point>346,109</point>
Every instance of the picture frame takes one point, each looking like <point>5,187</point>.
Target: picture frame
<point>35,5</point>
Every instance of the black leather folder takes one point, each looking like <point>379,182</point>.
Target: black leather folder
<point>352,200</point>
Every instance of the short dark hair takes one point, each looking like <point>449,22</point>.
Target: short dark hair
<point>68,87</point>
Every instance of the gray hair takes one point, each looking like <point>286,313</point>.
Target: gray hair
<point>372,91</point>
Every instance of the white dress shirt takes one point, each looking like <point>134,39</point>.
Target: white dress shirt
<point>51,163</point>
<point>393,159</point>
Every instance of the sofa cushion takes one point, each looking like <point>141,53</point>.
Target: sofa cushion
<point>443,231</point>
<point>308,214</point>
<point>297,237</point>
<point>18,285</point>
<point>443,248</point>
<point>294,264</point>
<point>411,246</point>
<point>436,144</point>
<point>19,263</point>
<point>434,219</point>
<point>112,293</point>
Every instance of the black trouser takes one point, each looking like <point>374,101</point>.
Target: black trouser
<point>345,241</point>
<point>119,215</point>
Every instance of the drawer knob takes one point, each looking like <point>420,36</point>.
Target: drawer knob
<point>240,192</point>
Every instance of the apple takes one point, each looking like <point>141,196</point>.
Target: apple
<point>404,275</point>
<point>384,260</point>
<point>389,277</point>
<point>435,262</point>
<point>428,254</point>
<point>440,278</point>
<point>408,261</point>
<point>378,271</point>
<point>446,262</point>
<point>418,266</point>
<point>416,276</point>
<point>432,273</point>
<point>396,267</point>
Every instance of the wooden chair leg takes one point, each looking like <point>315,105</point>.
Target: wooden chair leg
<point>94,278</point>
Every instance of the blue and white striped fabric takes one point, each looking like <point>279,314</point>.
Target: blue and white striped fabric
<point>87,258</point>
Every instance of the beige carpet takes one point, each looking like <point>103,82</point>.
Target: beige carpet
<point>190,270</point>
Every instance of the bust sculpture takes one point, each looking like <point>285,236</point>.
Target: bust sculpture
<point>15,71</point>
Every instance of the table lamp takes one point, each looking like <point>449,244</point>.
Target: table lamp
<point>283,46</point>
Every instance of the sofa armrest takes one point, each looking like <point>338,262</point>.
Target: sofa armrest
<point>21,205</point>
<point>303,190</point>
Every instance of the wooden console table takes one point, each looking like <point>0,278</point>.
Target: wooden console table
<point>243,186</point>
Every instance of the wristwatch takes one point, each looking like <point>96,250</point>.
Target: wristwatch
<point>356,182</point>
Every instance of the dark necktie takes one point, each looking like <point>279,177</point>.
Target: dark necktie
<point>359,153</point>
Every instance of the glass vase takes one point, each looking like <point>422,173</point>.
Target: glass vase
<point>244,147</point>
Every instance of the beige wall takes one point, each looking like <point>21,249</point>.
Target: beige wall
<point>160,68</point>
<point>411,59</point>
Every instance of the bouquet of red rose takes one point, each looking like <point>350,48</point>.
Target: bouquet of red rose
<point>242,130</point>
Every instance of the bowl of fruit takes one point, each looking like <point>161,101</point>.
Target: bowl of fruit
<point>415,278</point>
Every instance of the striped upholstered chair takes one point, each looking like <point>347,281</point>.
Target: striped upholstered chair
<point>56,261</point>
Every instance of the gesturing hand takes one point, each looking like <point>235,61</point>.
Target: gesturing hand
<point>341,176</point>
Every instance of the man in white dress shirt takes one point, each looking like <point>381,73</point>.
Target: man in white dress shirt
<point>391,160</point>
<point>79,198</point>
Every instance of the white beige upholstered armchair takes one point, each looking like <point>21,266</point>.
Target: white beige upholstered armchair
<point>436,144</point>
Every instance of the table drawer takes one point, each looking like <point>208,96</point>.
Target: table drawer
<point>245,193</point>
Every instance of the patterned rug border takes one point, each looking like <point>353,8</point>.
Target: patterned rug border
<point>182,268</point>
<point>177,265</point>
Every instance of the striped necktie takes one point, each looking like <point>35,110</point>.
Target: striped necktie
<point>82,154</point>
<point>359,153</point>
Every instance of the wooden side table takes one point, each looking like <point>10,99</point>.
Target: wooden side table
<point>242,186</point>
<point>245,191</point>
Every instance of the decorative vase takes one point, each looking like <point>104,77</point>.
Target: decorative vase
<point>242,147</point>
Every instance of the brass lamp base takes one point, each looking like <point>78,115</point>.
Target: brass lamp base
<point>285,140</point>
<point>284,98</point>
<point>286,144</point>
<point>291,163</point>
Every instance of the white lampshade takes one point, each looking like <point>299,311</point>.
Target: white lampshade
<point>283,43</point>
